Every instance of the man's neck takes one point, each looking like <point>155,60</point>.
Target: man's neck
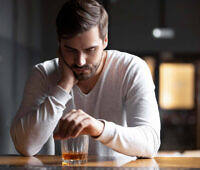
<point>87,85</point>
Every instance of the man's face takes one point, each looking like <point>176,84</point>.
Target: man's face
<point>83,53</point>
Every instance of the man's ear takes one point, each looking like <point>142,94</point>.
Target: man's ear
<point>105,41</point>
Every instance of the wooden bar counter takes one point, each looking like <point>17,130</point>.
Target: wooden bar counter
<point>55,162</point>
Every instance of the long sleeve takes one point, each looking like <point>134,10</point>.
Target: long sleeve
<point>123,98</point>
<point>140,136</point>
<point>38,114</point>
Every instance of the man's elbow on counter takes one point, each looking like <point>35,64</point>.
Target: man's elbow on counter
<point>153,145</point>
<point>148,153</point>
<point>152,152</point>
<point>26,152</point>
<point>23,148</point>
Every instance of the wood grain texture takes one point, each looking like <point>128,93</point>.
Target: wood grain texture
<point>162,162</point>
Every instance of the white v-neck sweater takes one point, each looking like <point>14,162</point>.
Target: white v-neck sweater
<point>123,98</point>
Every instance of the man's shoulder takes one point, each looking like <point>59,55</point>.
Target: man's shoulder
<point>123,58</point>
<point>126,65</point>
<point>48,66</point>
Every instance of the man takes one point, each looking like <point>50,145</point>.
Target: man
<point>106,94</point>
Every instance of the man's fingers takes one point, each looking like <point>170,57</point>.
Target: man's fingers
<point>79,130</point>
<point>65,122</point>
<point>73,121</point>
<point>77,122</point>
<point>69,114</point>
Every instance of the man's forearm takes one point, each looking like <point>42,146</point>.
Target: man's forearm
<point>31,131</point>
<point>141,141</point>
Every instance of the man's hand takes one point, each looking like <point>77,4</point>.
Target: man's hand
<point>68,79</point>
<point>77,123</point>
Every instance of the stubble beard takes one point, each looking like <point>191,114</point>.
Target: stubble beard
<point>92,70</point>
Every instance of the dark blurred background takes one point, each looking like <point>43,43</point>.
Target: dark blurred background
<point>165,33</point>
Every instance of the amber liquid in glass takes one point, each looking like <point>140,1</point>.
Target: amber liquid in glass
<point>74,156</point>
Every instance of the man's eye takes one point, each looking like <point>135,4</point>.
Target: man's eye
<point>91,49</point>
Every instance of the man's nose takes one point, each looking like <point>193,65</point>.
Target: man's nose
<point>80,60</point>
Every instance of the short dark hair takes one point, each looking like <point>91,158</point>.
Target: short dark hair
<point>78,16</point>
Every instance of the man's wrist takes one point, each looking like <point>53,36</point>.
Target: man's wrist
<point>101,131</point>
<point>65,85</point>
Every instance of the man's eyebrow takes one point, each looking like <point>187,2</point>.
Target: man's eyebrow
<point>70,47</point>
<point>94,46</point>
<point>88,48</point>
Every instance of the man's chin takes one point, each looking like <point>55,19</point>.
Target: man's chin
<point>82,77</point>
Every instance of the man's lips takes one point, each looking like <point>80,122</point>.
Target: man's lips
<point>80,70</point>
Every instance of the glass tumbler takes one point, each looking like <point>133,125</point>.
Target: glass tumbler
<point>75,150</point>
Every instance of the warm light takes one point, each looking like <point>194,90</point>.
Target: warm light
<point>176,88</point>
